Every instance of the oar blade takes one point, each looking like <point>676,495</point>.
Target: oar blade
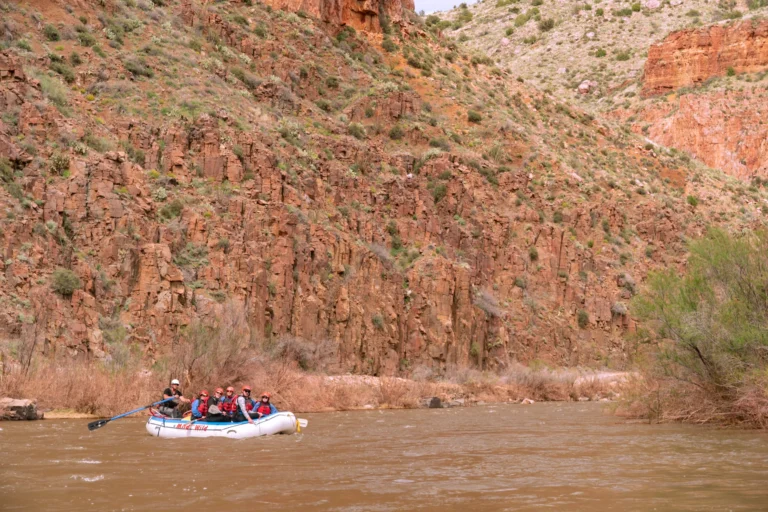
<point>97,424</point>
<point>303,423</point>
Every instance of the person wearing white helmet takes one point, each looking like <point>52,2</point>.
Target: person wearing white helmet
<point>171,408</point>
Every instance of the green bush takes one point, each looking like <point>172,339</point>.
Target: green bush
<point>250,81</point>
<point>323,105</point>
<point>730,71</point>
<point>474,116</point>
<point>388,45</point>
<point>622,56</point>
<point>600,53</point>
<point>53,90</point>
<point>438,192</point>
<point>533,253</point>
<point>192,256</point>
<point>65,282</point>
<point>59,163</point>
<point>51,33</point>
<point>66,72</point>
<point>396,133</point>
<point>86,38</point>
<point>171,210</point>
<point>711,326</point>
<point>693,201</point>
<point>8,179</point>
<point>546,25</point>
<point>139,67</point>
<point>356,130</point>
<point>332,82</point>
<point>582,318</point>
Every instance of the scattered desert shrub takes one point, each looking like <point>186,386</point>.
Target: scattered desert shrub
<point>171,210</point>
<point>583,318</point>
<point>396,133</point>
<point>474,116</point>
<point>546,25</point>
<point>356,130</point>
<point>139,67</point>
<point>389,45</point>
<point>65,282</point>
<point>66,72</point>
<point>250,81</point>
<point>486,301</point>
<point>59,163</point>
<point>51,33</point>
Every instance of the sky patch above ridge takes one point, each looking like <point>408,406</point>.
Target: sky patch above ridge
<point>438,5</point>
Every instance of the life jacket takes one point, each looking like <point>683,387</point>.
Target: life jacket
<point>202,406</point>
<point>228,405</point>
<point>249,403</point>
<point>264,409</point>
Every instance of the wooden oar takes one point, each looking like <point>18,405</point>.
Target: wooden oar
<point>100,423</point>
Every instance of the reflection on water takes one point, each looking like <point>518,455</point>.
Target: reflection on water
<point>553,456</point>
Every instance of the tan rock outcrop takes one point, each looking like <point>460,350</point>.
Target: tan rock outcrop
<point>689,57</point>
<point>14,409</point>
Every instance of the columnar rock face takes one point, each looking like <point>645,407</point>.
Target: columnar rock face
<point>359,14</point>
<point>689,57</point>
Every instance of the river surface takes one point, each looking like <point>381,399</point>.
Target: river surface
<point>551,456</point>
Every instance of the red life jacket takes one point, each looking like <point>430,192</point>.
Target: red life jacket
<point>264,409</point>
<point>248,404</point>
<point>202,407</point>
<point>228,405</point>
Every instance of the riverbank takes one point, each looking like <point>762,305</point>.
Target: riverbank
<point>83,391</point>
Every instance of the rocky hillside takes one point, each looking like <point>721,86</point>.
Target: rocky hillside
<point>715,107</point>
<point>590,53</point>
<point>384,198</point>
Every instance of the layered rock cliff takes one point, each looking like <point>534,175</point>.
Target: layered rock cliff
<point>689,57</point>
<point>205,159</point>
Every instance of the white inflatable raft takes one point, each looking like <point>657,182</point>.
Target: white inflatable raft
<point>279,423</point>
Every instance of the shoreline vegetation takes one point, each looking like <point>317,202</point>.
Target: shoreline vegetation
<point>85,390</point>
<point>708,334</point>
<point>302,376</point>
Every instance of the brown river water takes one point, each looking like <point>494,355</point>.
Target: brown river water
<point>551,456</point>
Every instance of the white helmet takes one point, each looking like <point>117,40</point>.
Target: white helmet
<point>175,381</point>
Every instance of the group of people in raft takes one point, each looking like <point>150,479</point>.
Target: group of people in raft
<point>219,407</point>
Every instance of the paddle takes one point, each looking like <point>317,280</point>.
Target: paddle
<point>303,423</point>
<point>100,423</point>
